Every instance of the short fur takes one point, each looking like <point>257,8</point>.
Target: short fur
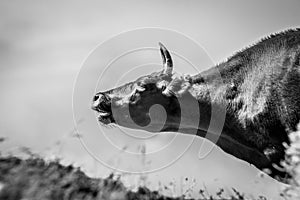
<point>259,88</point>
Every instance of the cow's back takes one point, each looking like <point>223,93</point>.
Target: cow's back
<point>268,80</point>
<point>261,87</point>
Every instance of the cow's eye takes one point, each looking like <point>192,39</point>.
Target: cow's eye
<point>136,94</point>
<point>134,97</point>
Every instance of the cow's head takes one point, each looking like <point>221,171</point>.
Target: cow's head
<point>129,105</point>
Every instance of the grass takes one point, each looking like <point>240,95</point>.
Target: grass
<point>35,178</point>
<point>292,166</point>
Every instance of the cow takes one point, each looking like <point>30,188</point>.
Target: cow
<point>260,91</point>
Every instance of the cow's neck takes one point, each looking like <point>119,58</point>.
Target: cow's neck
<point>235,148</point>
<point>230,137</point>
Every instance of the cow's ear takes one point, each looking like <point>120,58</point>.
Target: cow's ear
<point>178,86</point>
<point>167,59</point>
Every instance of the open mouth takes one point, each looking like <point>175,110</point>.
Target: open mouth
<point>105,117</point>
<point>104,113</point>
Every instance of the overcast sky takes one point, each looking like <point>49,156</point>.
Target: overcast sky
<point>42,48</point>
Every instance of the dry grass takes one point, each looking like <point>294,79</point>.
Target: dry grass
<point>292,166</point>
<point>34,178</point>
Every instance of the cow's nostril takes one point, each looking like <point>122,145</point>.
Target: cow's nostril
<point>96,98</point>
<point>101,101</point>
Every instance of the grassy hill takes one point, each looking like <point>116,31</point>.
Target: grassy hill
<point>35,178</point>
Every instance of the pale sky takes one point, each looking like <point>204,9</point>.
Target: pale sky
<point>44,44</point>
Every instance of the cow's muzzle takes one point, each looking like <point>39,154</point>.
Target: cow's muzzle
<point>102,104</point>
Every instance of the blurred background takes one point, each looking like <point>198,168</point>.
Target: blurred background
<point>44,43</point>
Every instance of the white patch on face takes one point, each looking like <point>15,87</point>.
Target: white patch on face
<point>139,89</point>
<point>125,99</point>
<point>162,84</point>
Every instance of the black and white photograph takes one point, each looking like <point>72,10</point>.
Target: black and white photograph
<point>150,100</point>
